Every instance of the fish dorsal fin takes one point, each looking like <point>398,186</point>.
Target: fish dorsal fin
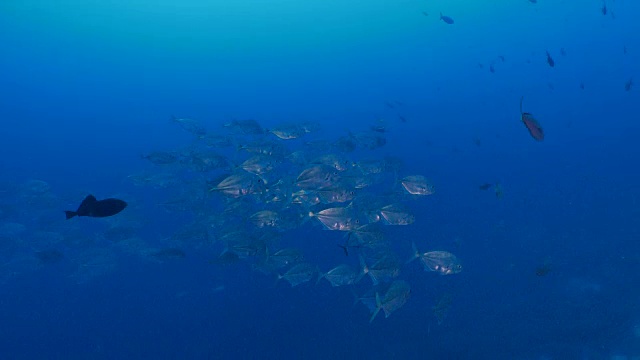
<point>88,201</point>
<point>86,205</point>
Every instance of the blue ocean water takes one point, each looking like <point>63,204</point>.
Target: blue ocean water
<point>550,266</point>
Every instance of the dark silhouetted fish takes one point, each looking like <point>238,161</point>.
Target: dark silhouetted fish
<point>628,85</point>
<point>486,186</point>
<point>531,123</point>
<point>92,207</point>
<point>550,60</point>
<point>604,8</point>
<point>446,19</point>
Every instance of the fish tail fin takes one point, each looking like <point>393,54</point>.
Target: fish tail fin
<point>363,265</point>
<point>266,254</point>
<point>70,214</point>
<point>416,253</point>
<point>378,307</point>
<point>278,277</point>
<point>320,276</point>
<point>306,218</point>
<point>356,298</point>
<point>364,271</point>
<point>440,15</point>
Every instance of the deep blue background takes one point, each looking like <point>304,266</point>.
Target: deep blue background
<point>86,87</point>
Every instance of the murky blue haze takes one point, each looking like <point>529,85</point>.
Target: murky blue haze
<point>551,267</point>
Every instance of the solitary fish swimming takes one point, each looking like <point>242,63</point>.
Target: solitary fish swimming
<point>446,19</point>
<point>550,60</point>
<point>531,123</point>
<point>92,207</point>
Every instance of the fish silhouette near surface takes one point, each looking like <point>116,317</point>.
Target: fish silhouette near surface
<point>531,123</point>
<point>93,207</point>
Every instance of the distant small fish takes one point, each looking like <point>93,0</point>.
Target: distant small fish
<point>531,123</point>
<point>92,207</point>
<point>604,8</point>
<point>550,60</point>
<point>446,19</point>
<point>402,118</point>
<point>544,269</point>
<point>501,57</point>
<point>582,86</point>
<point>628,85</point>
<point>533,1</point>
<point>486,186</point>
<point>498,190</point>
<point>624,49</point>
<point>492,69</point>
<point>563,52</point>
<point>425,13</point>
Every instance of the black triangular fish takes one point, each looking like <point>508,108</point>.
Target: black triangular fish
<point>92,207</point>
<point>531,123</point>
